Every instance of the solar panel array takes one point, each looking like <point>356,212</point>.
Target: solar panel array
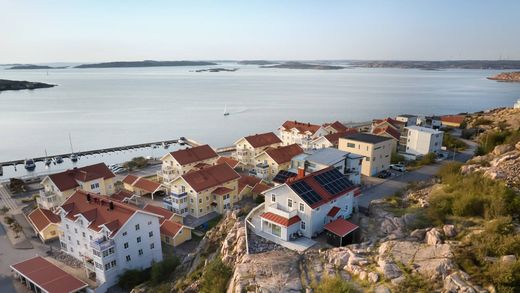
<point>333,181</point>
<point>306,192</point>
<point>283,175</point>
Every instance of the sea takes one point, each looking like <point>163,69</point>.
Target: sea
<point>108,107</point>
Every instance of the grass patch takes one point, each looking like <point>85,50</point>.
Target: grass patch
<point>216,276</point>
<point>451,142</point>
<point>334,284</point>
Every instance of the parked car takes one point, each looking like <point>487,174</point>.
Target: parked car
<point>384,174</point>
<point>398,167</point>
<point>119,170</point>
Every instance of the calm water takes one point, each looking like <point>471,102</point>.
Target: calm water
<point>110,107</point>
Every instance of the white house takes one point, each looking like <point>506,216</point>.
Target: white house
<point>409,120</point>
<point>304,134</point>
<point>183,161</point>
<point>303,206</point>
<point>108,237</point>
<point>422,140</point>
<point>434,122</point>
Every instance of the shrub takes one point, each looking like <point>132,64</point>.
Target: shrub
<point>8,220</point>
<point>162,270</point>
<point>259,199</point>
<point>131,278</point>
<point>396,158</point>
<point>136,163</point>
<point>334,285</point>
<point>453,143</point>
<point>414,283</point>
<point>427,159</point>
<point>215,277</point>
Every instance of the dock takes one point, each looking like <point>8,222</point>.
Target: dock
<point>105,150</point>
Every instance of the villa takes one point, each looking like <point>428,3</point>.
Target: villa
<point>452,120</point>
<point>271,161</point>
<point>303,134</point>
<point>142,186</point>
<point>247,148</point>
<point>181,162</point>
<point>45,223</point>
<point>376,150</point>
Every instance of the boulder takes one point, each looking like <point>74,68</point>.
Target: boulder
<point>389,269</point>
<point>458,282</point>
<point>382,289</point>
<point>419,233</point>
<point>502,149</point>
<point>433,236</point>
<point>363,275</point>
<point>517,145</point>
<point>508,259</point>
<point>373,277</point>
<point>398,280</point>
<point>449,231</point>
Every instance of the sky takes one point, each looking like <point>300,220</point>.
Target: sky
<point>38,31</point>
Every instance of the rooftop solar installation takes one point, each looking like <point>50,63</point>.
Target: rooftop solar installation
<point>333,181</point>
<point>283,175</point>
<point>306,192</point>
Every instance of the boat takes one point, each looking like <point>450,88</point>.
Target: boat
<point>165,145</point>
<point>58,160</point>
<point>48,161</point>
<point>226,113</point>
<point>29,165</point>
<point>73,157</point>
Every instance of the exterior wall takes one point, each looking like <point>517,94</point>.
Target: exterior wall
<point>290,136</point>
<point>272,167</point>
<point>171,169</point>
<point>181,237</point>
<point>321,143</point>
<point>49,232</point>
<point>408,120</point>
<point>246,153</point>
<point>377,156</point>
<point>423,142</point>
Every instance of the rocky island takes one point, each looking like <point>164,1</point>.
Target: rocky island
<point>507,77</point>
<point>436,65</point>
<point>298,65</point>
<point>256,62</point>
<point>32,66</point>
<point>13,85</point>
<point>217,70</point>
<point>145,63</point>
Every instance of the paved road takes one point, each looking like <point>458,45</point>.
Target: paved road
<point>393,185</point>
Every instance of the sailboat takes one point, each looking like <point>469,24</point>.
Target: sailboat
<point>226,113</point>
<point>73,156</point>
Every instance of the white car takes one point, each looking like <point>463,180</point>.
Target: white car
<point>398,167</point>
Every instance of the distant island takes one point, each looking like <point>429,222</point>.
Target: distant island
<point>435,65</point>
<point>256,62</point>
<point>13,85</point>
<point>298,65</point>
<point>217,70</point>
<point>146,63</point>
<point>31,66</point>
<point>507,76</point>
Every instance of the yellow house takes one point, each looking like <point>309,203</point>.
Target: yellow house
<point>58,187</point>
<point>173,233</point>
<point>141,186</point>
<point>181,162</point>
<point>247,148</point>
<point>198,193</point>
<point>376,149</point>
<point>45,223</point>
<point>269,162</point>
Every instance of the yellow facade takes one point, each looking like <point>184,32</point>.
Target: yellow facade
<point>272,166</point>
<point>182,236</point>
<point>172,169</point>
<point>49,232</point>
<point>377,155</point>
<point>246,153</point>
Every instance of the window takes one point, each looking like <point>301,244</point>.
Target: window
<point>96,253</point>
<point>98,265</point>
<point>75,230</point>
<point>302,225</point>
<point>71,249</point>
<point>367,159</point>
<point>289,203</point>
<point>149,222</point>
<point>128,258</point>
<point>136,227</point>
<point>302,207</point>
<point>152,245</point>
<point>150,234</point>
<point>140,252</point>
<point>200,210</point>
<point>139,239</point>
<point>124,233</point>
<point>107,267</point>
<point>273,198</point>
<point>77,242</point>
<point>126,245</point>
<point>67,225</point>
<point>94,185</point>
<point>113,263</point>
<point>84,235</point>
<point>69,238</point>
<point>200,200</point>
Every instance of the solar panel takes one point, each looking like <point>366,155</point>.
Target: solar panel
<point>283,175</point>
<point>333,181</point>
<point>306,192</point>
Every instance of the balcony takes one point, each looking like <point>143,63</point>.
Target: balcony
<point>47,199</point>
<point>276,209</point>
<point>262,165</point>
<point>101,244</point>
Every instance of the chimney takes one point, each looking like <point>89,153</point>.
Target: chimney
<point>301,172</point>
<point>111,205</point>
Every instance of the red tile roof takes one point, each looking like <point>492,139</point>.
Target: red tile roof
<point>246,180</point>
<point>300,126</point>
<point>194,154</point>
<point>340,227</point>
<point>338,126</point>
<point>147,185</point>
<point>333,211</point>
<point>210,177</point>
<point>261,140</point>
<point>280,220</point>
<point>159,211</point>
<point>68,179</point>
<point>121,195</point>
<point>221,190</point>
<point>170,228</point>
<point>231,162</point>
<point>457,119</point>
<point>259,188</point>
<point>284,154</point>
<point>334,137</point>
<point>130,179</point>
<point>388,130</point>
<point>41,218</point>
<point>48,276</point>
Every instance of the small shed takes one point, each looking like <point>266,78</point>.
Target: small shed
<point>340,232</point>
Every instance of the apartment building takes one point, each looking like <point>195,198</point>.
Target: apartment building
<point>198,193</point>
<point>422,140</point>
<point>247,148</point>
<point>108,237</point>
<point>271,161</point>
<point>183,161</point>
<point>376,150</point>
<point>58,187</point>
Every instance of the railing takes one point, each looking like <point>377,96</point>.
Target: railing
<point>179,195</point>
<point>273,208</point>
<point>101,244</point>
<point>262,165</point>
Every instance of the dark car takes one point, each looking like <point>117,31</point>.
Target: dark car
<point>384,174</point>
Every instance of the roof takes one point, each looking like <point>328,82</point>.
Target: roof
<point>130,179</point>
<point>159,211</point>
<point>210,177</point>
<point>280,220</point>
<point>261,140</point>
<point>41,218</point>
<point>457,119</point>
<point>327,156</point>
<point>282,176</point>
<point>284,154</point>
<point>333,211</point>
<point>424,129</point>
<point>334,137</point>
<point>231,162</point>
<point>259,188</point>
<point>170,228</point>
<point>367,137</point>
<point>194,154</point>
<point>69,179</point>
<point>388,130</point>
<point>300,126</point>
<point>407,116</point>
<point>97,210</point>
<point>340,227</point>
<point>322,186</point>
<point>147,185</point>
<point>222,190</point>
<point>48,276</point>
<point>121,195</point>
<point>338,126</point>
<point>246,180</point>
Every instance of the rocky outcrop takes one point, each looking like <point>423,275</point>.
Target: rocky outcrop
<point>507,76</point>
<point>433,236</point>
<point>458,282</point>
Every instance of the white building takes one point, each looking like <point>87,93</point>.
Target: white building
<point>109,237</point>
<point>304,134</point>
<point>183,161</point>
<point>348,164</point>
<point>409,120</point>
<point>305,205</point>
<point>517,105</point>
<point>422,140</point>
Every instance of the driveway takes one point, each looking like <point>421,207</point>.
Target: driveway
<point>395,184</point>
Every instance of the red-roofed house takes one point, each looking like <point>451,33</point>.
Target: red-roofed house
<point>45,223</point>
<point>331,140</point>
<point>271,161</point>
<point>173,232</point>
<point>247,148</point>
<point>452,120</point>
<point>58,187</point>
<point>231,162</point>
<point>303,206</point>
<point>183,161</point>
<point>340,232</point>
<point>142,186</point>
<point>303,134</point>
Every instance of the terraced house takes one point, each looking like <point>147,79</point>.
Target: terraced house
<point>271,161</point>
<point>247,148</point>
<point>213,189</point>
<point>181,162</point>
<point>58,187</point>
<point>303,134</point>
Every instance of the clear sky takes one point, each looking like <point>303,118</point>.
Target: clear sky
<point>35,31</point>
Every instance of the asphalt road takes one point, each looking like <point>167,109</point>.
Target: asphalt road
<point>395,184</point>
